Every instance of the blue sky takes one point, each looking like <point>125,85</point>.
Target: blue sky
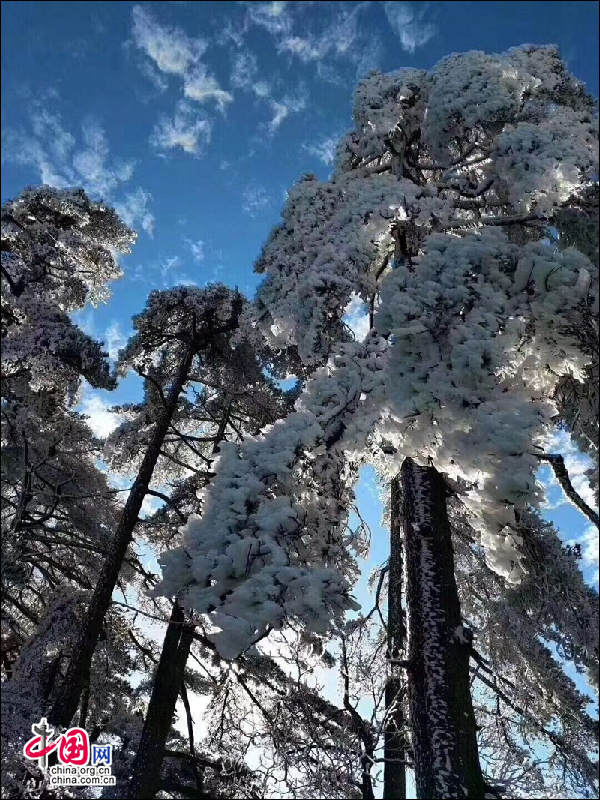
<point>194,119</point>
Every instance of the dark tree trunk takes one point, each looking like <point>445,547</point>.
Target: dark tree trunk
<point>394,781</point>
<point>444,734</point>
<point>145,772</point>
<point>78,671</point>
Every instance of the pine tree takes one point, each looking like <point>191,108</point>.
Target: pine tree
<point>437,218</point>
<point>232,398</point>
<point>179,326</point>
<point>58,511</point>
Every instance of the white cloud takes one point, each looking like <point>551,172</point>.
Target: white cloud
<point>255,200</point>
<point>170,48</point>
<point>170,265</point>
<point>197,249</point>
<point>408,23</point>
<point>101,420</point>
<point>281,109</point>
<point>153,74</point>
<point>589,549</point>
<point>47,127</point>
<point>231,32</point>
<point>324,149</point>
<point>171,273</point>
<point>84,318</point>
<point>273,16</point>
<point>336,36</point>
<point>185,130</point>
<point>114,340</point>
<point>133,210</point>
<point>577,464</point>
<point>91,164</point>
<point>63,160</point>
<point>244,74</point>
<point>150,504</point>
<point>356,317</point>
<point>200,86</point>
<point>176,53</point>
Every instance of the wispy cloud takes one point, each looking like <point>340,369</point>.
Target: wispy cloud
<point>323,149</point>
<point>65,160</point>
<point>232,32</point>
<point>589,550</point>
<point>197,249</point>
<point>337,37</point>
<point>100,419</point>
<point>281,109</point>
<point>114,340</point>
<point>84,318</point>
<point>201,86</point>
<point>171,273</point>
<point>149,70</point>
<point>175,53</point>
<point>408,22</point>
<point>578,465</point>
<point>244,74</point>
<point>170,48</point>
<point>255,200</point>
<point>356,317</point>
<point>272,16</point>
<point>133,210</point>
<point>186,130</point>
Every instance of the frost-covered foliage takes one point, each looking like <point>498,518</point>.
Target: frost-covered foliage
<point>274,706</point>
<point>109,701</point>
<point>226,380</point>
<point>270,544</point>
<point>525,703</point>
<point>438,216</point>
<point>63,243</point>
<point>578,400</point>
<point>481,334</point>
<point>57,511</point>
<point>332,236</point>
<point>429,151</point>
<point>58,253</point>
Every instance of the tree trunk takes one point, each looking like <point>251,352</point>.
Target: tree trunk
<point>145,772</point>
<point>444,734</point>
<point>394,781</point>
<point>78,671</point>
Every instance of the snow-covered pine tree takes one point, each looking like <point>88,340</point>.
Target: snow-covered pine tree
<point>525,703</point>
<point>180,330</point>
<point>58,511</point>
<point>228,395</point>
<point>437,217</point>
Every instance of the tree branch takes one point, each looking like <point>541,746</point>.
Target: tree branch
<point>561,473</point>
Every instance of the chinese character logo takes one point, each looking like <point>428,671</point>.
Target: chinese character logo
<point>101,754</point>
<point>73,747</point>
<point>38,747</point>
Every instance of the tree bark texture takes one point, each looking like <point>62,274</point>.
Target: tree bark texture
<point>78,671</point>
<point>394,780</point>
<point>442,721</point>
<point>145,773</point>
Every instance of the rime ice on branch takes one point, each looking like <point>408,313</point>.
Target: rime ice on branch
<point>437,216</point>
